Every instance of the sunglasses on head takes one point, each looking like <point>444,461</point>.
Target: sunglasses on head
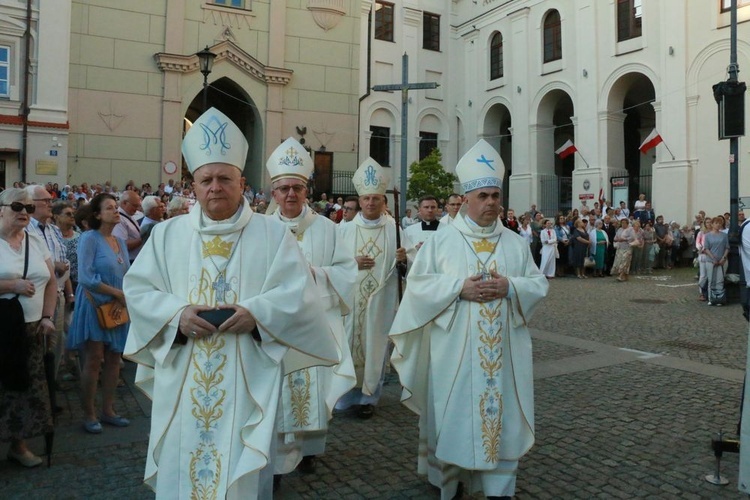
<point>17,206</point>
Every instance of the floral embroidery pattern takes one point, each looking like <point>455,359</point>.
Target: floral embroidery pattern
<point>207,408</point>
<point>299,386</point>
<point>490,353</point>
<point>367,286</point>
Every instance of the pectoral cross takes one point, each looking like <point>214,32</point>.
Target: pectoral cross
<point>221,287</point>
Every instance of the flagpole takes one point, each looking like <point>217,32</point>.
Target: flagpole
<point>665,145</point>
<point>584,159</point>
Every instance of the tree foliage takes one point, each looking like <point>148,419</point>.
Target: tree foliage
<point>428,177</point>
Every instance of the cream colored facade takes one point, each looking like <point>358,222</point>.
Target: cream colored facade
<point>135,82</point>
<point>47,126</point>
<point>603,94</point>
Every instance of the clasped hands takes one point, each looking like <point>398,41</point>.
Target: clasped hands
<point>365,262</point>
<point>195,327</point>
<point>477,290</point>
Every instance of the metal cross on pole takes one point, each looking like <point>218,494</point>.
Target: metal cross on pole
<point>404,87</point>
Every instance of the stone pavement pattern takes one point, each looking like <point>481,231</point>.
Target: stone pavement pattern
<point>632,380</point>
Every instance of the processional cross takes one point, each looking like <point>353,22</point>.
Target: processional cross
<point>404,87</point>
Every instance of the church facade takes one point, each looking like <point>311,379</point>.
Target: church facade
<point>529,76</point>
<point>281,68</point>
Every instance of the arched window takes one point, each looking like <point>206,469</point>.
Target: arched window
<point>552,37</point>
<point>496,56</point>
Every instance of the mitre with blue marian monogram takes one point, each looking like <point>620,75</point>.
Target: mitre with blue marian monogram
<point>480,167</point>
<point>290,160</point>
<point>370,178</point>
<point>214,138</point>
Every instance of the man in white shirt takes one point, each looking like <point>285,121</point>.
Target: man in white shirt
<point>452,207</point>
<point>128,229</point>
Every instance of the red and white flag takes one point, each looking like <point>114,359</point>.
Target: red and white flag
<point>566,149</point>
<point>651,141</point>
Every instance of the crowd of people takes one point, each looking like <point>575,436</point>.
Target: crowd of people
<point>600,241</point>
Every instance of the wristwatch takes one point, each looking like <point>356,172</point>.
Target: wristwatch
<point>46,317</point>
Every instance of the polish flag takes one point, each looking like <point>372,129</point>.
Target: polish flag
<point>566,149</point>
<point>651,141</point>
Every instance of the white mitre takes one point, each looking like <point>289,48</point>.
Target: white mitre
<point>480,167</point>
<point>214,138</point>
<point>290,160</point>
<point>370,178</point>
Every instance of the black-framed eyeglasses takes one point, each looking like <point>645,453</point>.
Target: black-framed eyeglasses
<point>297,188</point>
<point>17,206</point>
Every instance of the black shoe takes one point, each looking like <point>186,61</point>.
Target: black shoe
<point>308,464</point>
<point>366,411</point>
<point>276,482</point>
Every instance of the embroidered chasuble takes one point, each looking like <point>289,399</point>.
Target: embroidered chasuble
<point>466,366</point>
<point>375,296</point>
<point>308,396</point>
<point>215,399</point>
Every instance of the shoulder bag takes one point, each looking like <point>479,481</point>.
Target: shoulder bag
<point>105,314</point>
<point>16,344</point>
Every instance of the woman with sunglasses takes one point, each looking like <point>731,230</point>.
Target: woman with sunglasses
<point>25,413</point>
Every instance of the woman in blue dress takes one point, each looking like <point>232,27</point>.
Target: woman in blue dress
<point>102,263</point>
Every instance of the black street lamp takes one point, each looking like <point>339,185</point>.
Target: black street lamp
<point>206,62</point>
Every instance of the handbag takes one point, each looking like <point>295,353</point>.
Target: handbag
<point>589,262</point>
<point>106,316</point>
<point>14,356</point>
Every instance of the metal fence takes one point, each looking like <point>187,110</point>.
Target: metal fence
<point>342,183</point>
<point>555,194</point>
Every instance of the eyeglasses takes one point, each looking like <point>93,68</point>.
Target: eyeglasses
<point>17,206</point>
<point>297,188</point>
<point>48,201</point>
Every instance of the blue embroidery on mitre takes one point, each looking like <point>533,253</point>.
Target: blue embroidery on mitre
<point>486,161</point>
<point>214,132</point>
<point>370,178</point>
<point>292,158</point>
<point>482,183</point>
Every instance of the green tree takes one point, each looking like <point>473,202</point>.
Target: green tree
<point>428,177</point>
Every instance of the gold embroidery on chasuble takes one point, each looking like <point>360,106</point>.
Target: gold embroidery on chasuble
<point>207,400</point>
<point>490,353</point>
<point>207,385</point>
<point>299,388</point>
<point>367,246</point>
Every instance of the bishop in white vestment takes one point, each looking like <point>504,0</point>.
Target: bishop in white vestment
<point>215,383</point>
<point>464,356</point>
<point>308,396</point>
<point>372,235</point>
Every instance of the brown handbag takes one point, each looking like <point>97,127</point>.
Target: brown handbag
<point>105,314</point>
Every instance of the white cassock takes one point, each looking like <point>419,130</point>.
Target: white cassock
<point>548,251</point>
<point>374,303</point>
<point>215,399</point>
<point>466,366</point>
<point>309,395</point>
<point>445,221</point>
<point>418,233</point>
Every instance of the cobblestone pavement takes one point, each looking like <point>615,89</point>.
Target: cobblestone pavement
<point>632,380</point>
